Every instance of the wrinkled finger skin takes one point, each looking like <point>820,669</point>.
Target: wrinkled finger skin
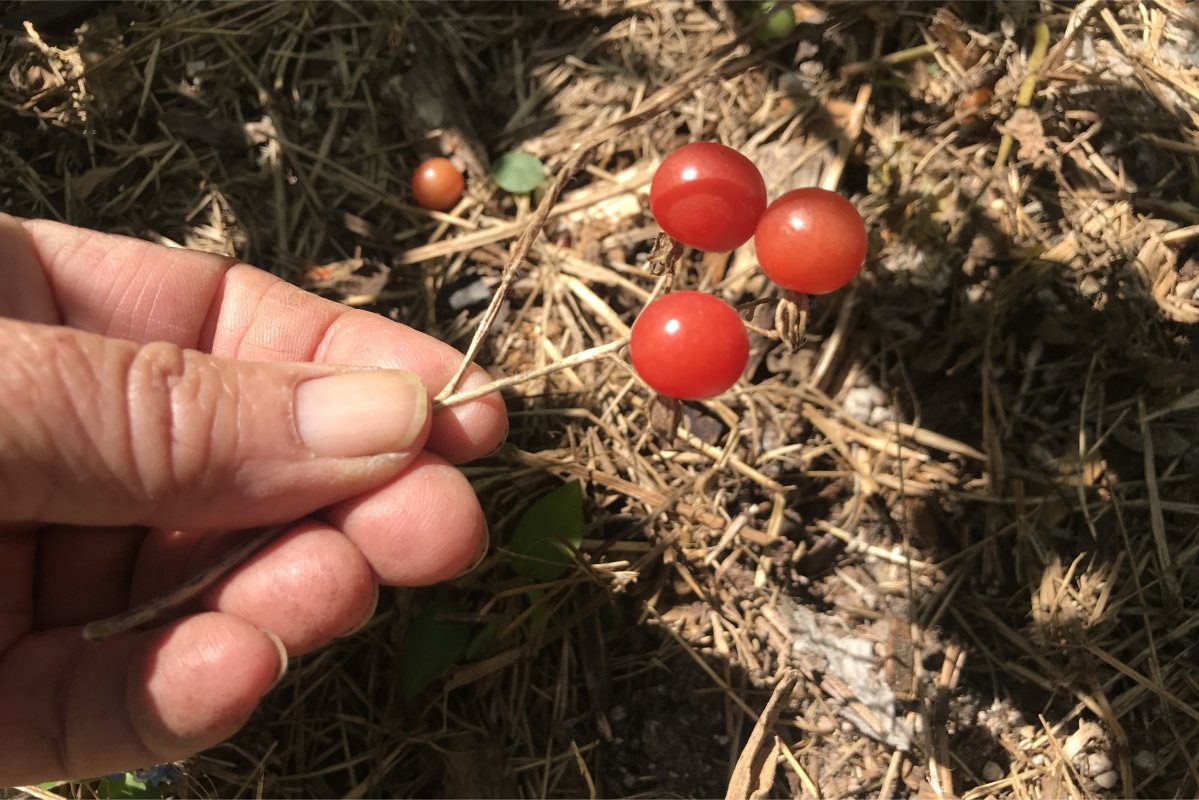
<point>90,708</point>
<point>143,292</point>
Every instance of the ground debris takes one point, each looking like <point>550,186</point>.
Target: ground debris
<point>853,668</point>
<point>964,508</point>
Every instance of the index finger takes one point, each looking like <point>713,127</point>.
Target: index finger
<point>127,288</point>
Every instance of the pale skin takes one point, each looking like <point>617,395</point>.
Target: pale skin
<point>149,411</point>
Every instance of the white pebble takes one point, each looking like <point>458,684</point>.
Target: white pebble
<point>861,401</point>
<point>1090,286</point>
<point>1098,763</point>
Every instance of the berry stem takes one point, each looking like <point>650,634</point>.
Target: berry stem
<point>727,64</point>
<point>582,357</point>
<point>512,268</point>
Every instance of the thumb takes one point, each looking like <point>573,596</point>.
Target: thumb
<point>106,432</point>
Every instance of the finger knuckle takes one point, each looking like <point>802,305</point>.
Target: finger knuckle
<point>174,399</point>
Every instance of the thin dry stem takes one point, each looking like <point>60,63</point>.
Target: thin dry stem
<point>162,607</point>
<point>574,360</point>
<point>511,269</point>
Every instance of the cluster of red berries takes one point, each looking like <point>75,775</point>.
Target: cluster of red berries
<point>690,345</point>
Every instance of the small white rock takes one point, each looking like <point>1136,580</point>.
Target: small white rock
<point>1078,741</point>
<point>1098,764</point>
<point>861,402</point>
<point>1090,286</point>
<point>880,415</point>
<point>992,772</point>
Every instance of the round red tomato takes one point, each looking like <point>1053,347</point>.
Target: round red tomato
<point>437,184</point>
<point>811,241</point>
<point>689,345</point>
<point>707,196</point>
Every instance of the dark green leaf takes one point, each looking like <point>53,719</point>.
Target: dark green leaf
<point>431,646</point>
<point>548,532</point>
<point>481,642</point>
<point>518,172</point>
<point>539,601</point>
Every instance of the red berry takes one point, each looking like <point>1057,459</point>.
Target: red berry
<point>689,345</point>
<point>811,241</point>
<point>708,196</point>
<point>437,184</point>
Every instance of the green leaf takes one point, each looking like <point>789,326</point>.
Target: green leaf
<point>518,172</point>
<point>899,84</point>
<point>781,21</point>
<point>481,642</point>
<point>431,646</point>
<point>127,785</point>
<point>548,532</point>
<point>539,602</point>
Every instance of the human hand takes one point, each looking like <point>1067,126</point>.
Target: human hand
<point>150,396</point>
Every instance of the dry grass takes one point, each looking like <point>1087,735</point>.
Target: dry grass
<point>965,511</point>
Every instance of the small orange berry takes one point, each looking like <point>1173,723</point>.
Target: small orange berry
<point>977,98</point>
<point>437,184</point>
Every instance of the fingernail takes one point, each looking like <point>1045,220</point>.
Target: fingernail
<point>282,656</point>
<point>484,546</point>
<point>366,619</point>
<point>361,413</point>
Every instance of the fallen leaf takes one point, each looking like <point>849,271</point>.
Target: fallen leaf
<point>753,776</point>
